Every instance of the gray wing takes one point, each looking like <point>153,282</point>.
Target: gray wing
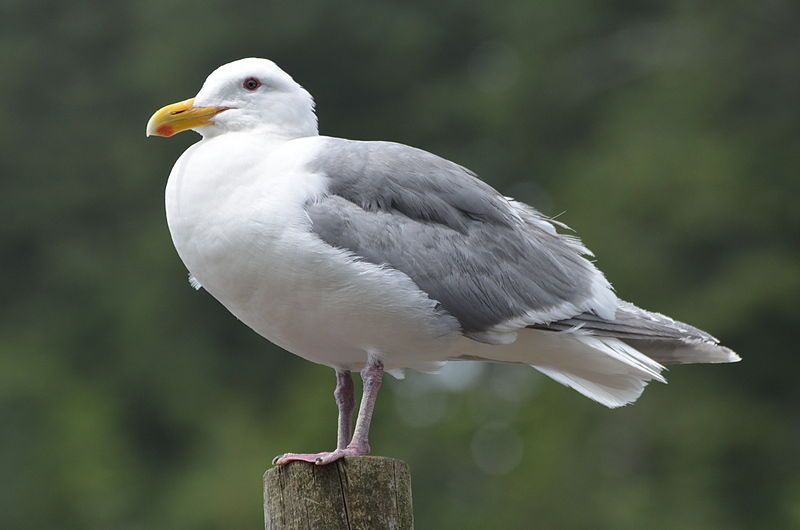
<point>660,337</point>
<point>631,323</point>
<point>494,264</point>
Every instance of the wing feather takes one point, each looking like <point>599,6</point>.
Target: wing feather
<point>493,263</point>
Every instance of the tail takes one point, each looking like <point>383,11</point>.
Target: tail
<point>609,361</point>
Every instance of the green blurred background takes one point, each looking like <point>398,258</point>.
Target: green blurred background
<point>667,132</point>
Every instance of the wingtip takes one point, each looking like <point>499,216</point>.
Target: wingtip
<point>729,356</point>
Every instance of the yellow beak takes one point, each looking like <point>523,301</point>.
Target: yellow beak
<point>179,117</point>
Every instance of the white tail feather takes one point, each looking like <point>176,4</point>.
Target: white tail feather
<point>603,369</point>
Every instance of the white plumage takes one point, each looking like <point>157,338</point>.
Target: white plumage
<point>235,212</point>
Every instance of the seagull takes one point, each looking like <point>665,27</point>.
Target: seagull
<point>377,257</point>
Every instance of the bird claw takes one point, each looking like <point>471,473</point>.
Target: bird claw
<point>295,457</point>
<point>319,459</point>
<point>333,456</point>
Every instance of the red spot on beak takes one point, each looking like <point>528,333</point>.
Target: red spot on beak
<point>165,130</point>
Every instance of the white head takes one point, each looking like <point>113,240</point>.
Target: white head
<point>245,95</point>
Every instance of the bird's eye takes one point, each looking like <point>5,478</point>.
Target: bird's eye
<point>251,83</point>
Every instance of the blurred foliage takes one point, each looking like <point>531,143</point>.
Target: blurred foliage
<point>668,132</point>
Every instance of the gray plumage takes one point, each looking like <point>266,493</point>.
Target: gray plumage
<point>662,338</point>
<point>484,258</point>
<point>630,322</point>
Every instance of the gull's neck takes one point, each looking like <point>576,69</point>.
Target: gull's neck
<point>270,133</point>
<point>286,133</point>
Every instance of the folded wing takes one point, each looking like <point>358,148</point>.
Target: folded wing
<point>494,264</point>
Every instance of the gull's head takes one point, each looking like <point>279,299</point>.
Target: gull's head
<point>245,95</point>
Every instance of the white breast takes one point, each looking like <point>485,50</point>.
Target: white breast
<point>235,208</point>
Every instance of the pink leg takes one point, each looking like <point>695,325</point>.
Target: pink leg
<point>372,375</point>
<point>345,402</point>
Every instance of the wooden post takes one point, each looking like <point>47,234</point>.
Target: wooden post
<point>366,492</point>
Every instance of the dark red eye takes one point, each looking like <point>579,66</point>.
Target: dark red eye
<point>251,83</point>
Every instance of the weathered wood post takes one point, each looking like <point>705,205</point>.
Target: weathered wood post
<point>366,492</point>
